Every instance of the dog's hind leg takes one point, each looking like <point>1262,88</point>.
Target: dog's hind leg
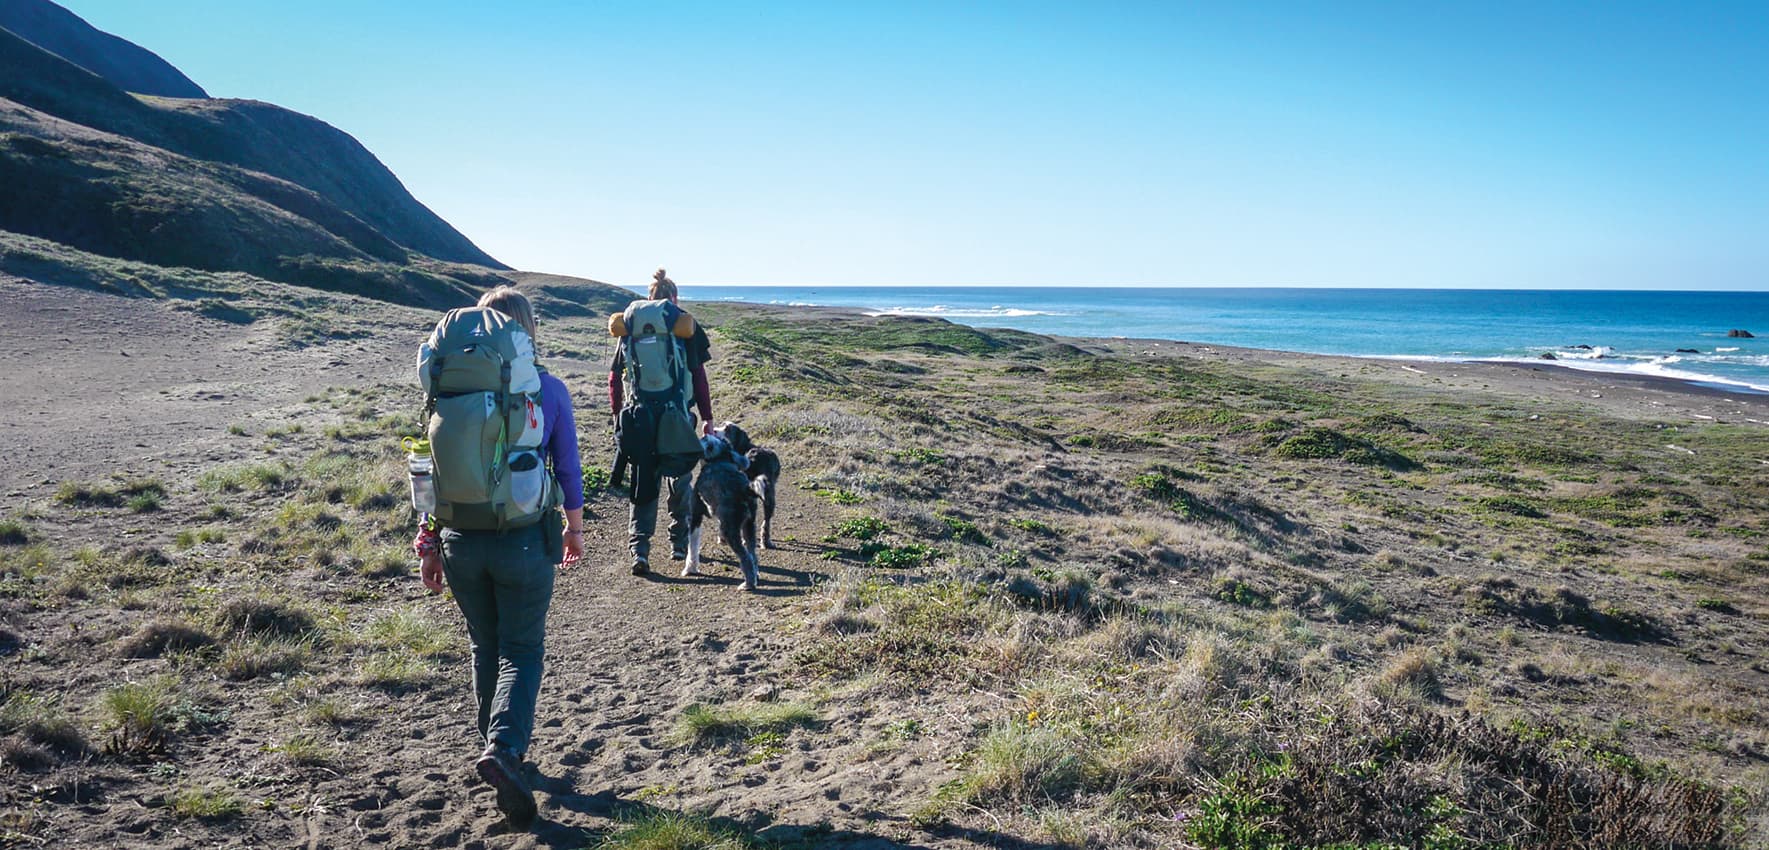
<point>731,528</point>
<point>749,528</point>
<point>768,513</point>
<point>691,565</point>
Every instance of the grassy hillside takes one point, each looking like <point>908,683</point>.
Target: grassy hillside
<point>1033,593</point>
<point>208,184</point>
<point>304,309</point>
<point>124,64</point>
<point>1257,607</point>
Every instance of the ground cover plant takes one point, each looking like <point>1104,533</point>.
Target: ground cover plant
<point>1256,604</point>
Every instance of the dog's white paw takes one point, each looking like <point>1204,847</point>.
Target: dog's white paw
<point>690,570</point>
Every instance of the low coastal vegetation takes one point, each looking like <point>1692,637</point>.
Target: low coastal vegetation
<point>1271,608</point>
<point>1063,594</point>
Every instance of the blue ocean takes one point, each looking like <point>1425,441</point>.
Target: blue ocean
<point>1639,332</point>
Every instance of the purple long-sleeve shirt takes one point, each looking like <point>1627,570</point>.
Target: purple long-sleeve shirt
<point>560,439</point>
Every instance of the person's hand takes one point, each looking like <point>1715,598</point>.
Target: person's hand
<point>574,548</point>
<point>430,571</point>
<point>706,429</point>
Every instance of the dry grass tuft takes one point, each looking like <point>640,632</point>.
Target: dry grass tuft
<point>252,615</point>
<point>162,636</point>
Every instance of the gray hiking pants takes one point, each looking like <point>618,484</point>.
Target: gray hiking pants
<point>642,519</point>
<point>503,584</point>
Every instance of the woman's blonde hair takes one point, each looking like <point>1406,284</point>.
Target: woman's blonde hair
<point>511,302</point>
<point>662,286</point>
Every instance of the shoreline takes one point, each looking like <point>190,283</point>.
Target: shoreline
<point>1700,383</point>
<point>1629,395</point>
<point>1522,376</point>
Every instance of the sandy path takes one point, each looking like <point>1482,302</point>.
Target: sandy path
<point>97,384</point>
<point>626,655</point>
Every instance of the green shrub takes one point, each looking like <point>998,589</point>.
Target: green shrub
<point>145,503</point>
<point>654,829</point>
<point>862,528</point>
<point>595,478</point>
<point>414,632</point>
<point>238,478</point>
<point>964,530</point>
<point>14,533</point>
<point>139,494</point>
<point>1019,763</point>
<point>1035,526</point>
<point>210,804</point>
<point>303,750</point>
<point>1514,505</point>
<point>141,717</point>
<point>906,556</point>
<point>701,723</point>
<point>919,456</point>
<point>841,497</point>
<point>1236,592</point>
<point>396,670</point>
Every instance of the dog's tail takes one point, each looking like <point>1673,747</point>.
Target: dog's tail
<point>758,486</point>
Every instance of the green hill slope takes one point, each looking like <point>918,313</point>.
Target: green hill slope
<point>214,185</point>
<point>126,65</point>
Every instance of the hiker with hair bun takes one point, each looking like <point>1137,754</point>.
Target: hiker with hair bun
<point>656,383</point>
<point>504,445</point>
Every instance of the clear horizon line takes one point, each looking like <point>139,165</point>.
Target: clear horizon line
<point>1395,288</point>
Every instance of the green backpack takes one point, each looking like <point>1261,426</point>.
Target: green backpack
<point>482,397</point>
<point>657,374</point>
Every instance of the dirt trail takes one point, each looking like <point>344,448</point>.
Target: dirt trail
<point>625,654</point>
<point>97,384</point>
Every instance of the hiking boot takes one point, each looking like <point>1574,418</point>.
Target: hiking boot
<point>679,552</point>
<point>641,566</point>
<point>500,769</point>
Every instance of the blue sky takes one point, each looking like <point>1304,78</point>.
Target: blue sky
<point>1538,145</point>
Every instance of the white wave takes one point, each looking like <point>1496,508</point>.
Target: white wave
<point>1655,367</point>
<point>1597,352</point>
<point>943,311</point>
<point>1725,350</point>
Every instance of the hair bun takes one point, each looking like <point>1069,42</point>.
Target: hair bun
<point>660,276</point>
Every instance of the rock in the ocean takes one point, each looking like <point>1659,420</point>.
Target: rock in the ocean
<point>1688,351</point>
<point>1549,355</point>
<point>1582,347</point>
<point>1740,334</point>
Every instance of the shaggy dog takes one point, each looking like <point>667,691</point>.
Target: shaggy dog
<point>764,473</point>
<point>722,490</point>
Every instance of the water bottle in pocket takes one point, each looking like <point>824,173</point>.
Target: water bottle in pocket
<point>419,468</point>
<point>528,480</point>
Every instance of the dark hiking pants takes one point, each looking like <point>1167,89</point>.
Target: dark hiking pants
<point>503,584</point>
<point>642,519</point>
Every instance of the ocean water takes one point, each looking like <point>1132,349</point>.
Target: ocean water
<point>1631,331</point>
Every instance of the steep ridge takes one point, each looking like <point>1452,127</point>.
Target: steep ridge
<point>219,185</point>
<point>126,65</point>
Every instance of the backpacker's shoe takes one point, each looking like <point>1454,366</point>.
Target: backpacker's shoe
<point>680,552</point>
<point>640,565</point>
<point>503,772</point>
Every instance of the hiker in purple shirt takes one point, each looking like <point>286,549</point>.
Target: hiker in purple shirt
<point>503,583</point>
